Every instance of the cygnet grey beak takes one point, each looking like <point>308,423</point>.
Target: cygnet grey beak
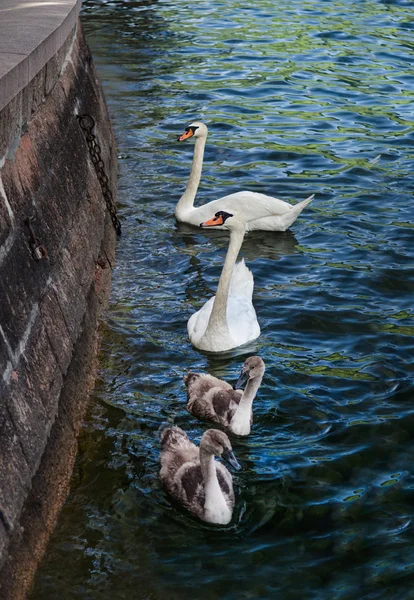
<point>231,459</point>
<point>242,380</point>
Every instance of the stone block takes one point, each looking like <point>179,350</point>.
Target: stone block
<point>71,301</point>
<point>6,235</point>
<point>5,360</point>
<point>56,329</point>
<point>39,369</point>
<point>21,179</point>
<point>54,136</point>
<point>37,90</point>
<point>14,471</point>
<point>52,73</point>
<point>13,190</point>
<point>10,125</point>
<point>26,108</point>
<point>22,281</point>
<point>85,245</point>
<point>4,539</point>
<point>32,423</point>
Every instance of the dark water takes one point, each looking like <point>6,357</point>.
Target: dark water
<point>301,97</point>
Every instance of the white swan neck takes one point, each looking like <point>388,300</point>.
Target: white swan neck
<point>218,317</point>
<point>186,202</point>
<point>216,509</point>
<point>240,423</point>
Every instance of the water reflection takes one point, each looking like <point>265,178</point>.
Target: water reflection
<point>300,98</point>
<point>257,244</point>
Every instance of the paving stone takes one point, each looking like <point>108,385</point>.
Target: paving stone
<point>30,35</point>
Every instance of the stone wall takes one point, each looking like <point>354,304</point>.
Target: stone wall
<point>49,308</point>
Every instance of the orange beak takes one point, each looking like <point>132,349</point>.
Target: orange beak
<point>213,222</point>
<point>186,135</point>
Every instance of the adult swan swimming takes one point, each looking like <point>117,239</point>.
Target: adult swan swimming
<point>228,319</point>
<point>259,211</point>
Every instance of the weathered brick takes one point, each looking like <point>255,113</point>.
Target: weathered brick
<point>22,280</point>
<point>38,368</point>
<point>4,539</point>
<point>4,361</point>
<point>37,90</point>
<point>32,424</point>
<point>71,301</point>
<point>56,329</point>
<point>14,471</point>
<point>10,124</point>
<point>5,229</point>
<point>26,108</point>
<point>21,179</point>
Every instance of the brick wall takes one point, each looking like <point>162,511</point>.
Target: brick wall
<point>49,308</point>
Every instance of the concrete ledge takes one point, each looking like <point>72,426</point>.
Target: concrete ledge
<point>31,33</point>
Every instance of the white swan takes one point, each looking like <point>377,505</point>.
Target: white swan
<point>260,211</point>
<point>228,319</point>
<point>215,400</point>
<point>192,476</point>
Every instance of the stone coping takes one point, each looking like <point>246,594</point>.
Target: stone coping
<point>31,33</point>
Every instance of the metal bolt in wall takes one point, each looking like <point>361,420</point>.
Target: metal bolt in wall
<point>39,250</point>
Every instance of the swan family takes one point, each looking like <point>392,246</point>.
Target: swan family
<point>191,474</point>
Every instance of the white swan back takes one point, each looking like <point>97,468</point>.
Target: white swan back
<point>242,282</point>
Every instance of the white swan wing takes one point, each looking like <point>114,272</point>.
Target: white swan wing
<point>242,283</point>
<point>197,323</point>
<point>242,320</point>
<point>253,205</point>
<point>241,315</point>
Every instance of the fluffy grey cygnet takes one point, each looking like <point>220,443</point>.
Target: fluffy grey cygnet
<point>194,478</point>
<point>215,400</point>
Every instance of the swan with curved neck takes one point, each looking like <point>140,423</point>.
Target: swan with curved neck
<point>194,478</point>
<point>215,400</point>
<point>259,210</point>
<point>228,319</point>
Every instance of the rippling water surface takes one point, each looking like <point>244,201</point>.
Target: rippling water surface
<point>300,97</point>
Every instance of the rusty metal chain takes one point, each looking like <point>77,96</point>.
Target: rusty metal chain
<point>87,124</point>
